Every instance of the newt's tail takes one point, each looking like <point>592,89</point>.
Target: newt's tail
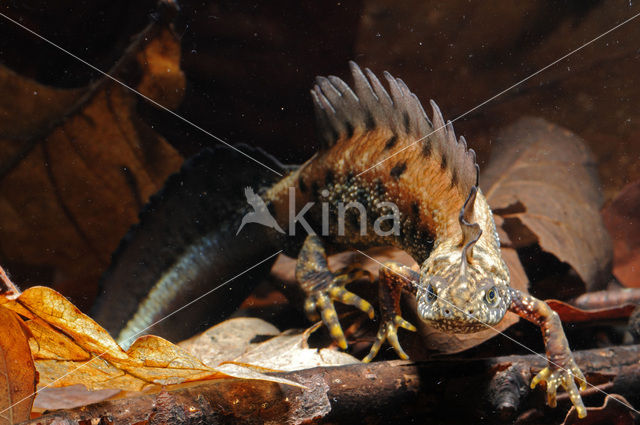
<point>185,244</point>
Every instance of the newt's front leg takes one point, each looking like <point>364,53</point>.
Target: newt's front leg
<point>394,278</point>
<point>323,287</point>
<point>562,368</point>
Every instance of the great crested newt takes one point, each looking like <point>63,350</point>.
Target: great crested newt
<point>424,200</point>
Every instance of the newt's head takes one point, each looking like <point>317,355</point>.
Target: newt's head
<point>459,299</point>
<point>464,288</point>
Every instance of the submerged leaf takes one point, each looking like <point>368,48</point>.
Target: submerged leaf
<point>228,340</point>
<point>70,348</point>
<point>77,164</point>
<point>622,221</point>
<point>52,308</point>
<point>286,351</point>
<point>50,344</point>
<point>542,182</point>
<point>69,397</point>
<point>158,361</point>
<point>17,373</point>
<point>569,313</point>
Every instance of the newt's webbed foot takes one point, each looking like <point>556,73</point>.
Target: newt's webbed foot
<point>324,287</point>
<point>565,375</point>
<point>389,332</point>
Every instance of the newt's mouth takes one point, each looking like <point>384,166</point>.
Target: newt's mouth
<point>456,326</point>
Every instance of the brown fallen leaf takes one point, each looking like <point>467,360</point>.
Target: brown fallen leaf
<point>289,351</point>
<point>569,313</point>
<point>70,348</point>
<point>283,351</point>
<point>622,221</point>
<point>69,397</point>
<point>542,182</point>
<point>77,164</point>
<point>228,340</point>
<point>608,298</point>
<point>18,376</point>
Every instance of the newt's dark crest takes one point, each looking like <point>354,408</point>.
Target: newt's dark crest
<point>343,113</point>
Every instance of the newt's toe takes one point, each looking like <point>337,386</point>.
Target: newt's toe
<point>389,332</point>
<point>338,293</point>
<point>320,302</point>
<point>565,377</point>
<point>330,318</point>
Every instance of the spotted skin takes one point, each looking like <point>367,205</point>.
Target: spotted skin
<point>445,223</point>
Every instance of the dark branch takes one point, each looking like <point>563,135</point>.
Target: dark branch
<point>450,391</point>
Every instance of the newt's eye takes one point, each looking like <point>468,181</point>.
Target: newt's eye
<point>491,296</point>
<point>431,295</point>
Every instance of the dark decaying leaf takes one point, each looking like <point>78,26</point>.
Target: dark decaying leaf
<point>569,313</point>
<point>18,376</point>
<point>606,299</point>
<point>76,165</point>
<point>622,219</point>
<point>542,182</point>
